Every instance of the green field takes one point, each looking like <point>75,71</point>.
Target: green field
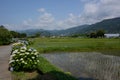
<point>45,45</point>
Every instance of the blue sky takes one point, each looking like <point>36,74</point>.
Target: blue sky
<point>55,14</point>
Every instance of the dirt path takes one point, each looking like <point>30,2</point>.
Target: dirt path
<point>4,58</point>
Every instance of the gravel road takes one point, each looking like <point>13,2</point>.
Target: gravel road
<point>4,59</point>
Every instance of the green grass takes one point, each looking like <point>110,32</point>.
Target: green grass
<point>24,75</point>
<point>45,45</point>
<point>45,66</point>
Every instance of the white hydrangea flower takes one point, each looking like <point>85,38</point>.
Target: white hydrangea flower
<point>12,56</point>
<point>25,62</point>
<point>29,49</point>
<point>33,57</point>
<point>22,50</point>
<point>38,61</point>
<point>15,44</point>
<point>34,50</point>
<point>32,53</point>
<point>36,53</point>
<point>27,53</point>
<point>21,59</point>
<point>15,51</point>
<point>11,61</point>
<point>20,54</point>
<point>18,43</point>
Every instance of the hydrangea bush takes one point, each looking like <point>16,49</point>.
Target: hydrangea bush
<point>17,45</point>
<point>23,58</point>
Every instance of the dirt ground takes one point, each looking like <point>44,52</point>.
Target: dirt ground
<point>4,59</point>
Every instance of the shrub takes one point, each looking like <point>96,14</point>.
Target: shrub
<point>23,58</point>
<point>17,45</point>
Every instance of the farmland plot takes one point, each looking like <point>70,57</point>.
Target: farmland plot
<point>85,65</point>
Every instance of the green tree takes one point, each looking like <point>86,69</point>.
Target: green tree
<point>18,35</point>
<point>5,36</point>
<point>23,35</point>
<point>14,34</point>
<point>100,33</point>
<point>93,35</point>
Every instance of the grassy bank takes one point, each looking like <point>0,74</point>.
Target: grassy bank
<point>24,76</point>
<point>48,69</point>
<point>45,45</point>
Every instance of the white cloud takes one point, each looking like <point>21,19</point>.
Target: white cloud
<point>47,21</point>
<point>16,27</point>
<point>44,21</point>
<point>71,21</point>
<point>90,8</point>
<point>97,10</point>
<point>27,22</point>
<point>94,11</point>
<point>41,10</point>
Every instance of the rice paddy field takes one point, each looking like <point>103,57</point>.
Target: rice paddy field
<point>87,65</point>
<point>106,46</point>
<point>83,57</point>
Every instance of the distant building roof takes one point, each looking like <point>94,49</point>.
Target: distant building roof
<point>112,35</point>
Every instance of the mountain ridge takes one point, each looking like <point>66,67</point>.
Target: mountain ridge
<point>108,25</point>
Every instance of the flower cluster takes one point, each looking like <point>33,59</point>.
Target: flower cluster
<point>23,58</point>
<point>17,45</point>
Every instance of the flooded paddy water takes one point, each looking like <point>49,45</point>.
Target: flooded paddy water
<point>87,65</point>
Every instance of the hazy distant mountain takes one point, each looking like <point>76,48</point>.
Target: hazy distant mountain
<point>108,25</point>
<point>74,30</point>
<point>66,32</point>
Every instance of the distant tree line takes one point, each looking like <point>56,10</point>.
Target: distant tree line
<point>17,34</point>
<point>6,35</point>
<point>77,35</point>
<point>97,34</point>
